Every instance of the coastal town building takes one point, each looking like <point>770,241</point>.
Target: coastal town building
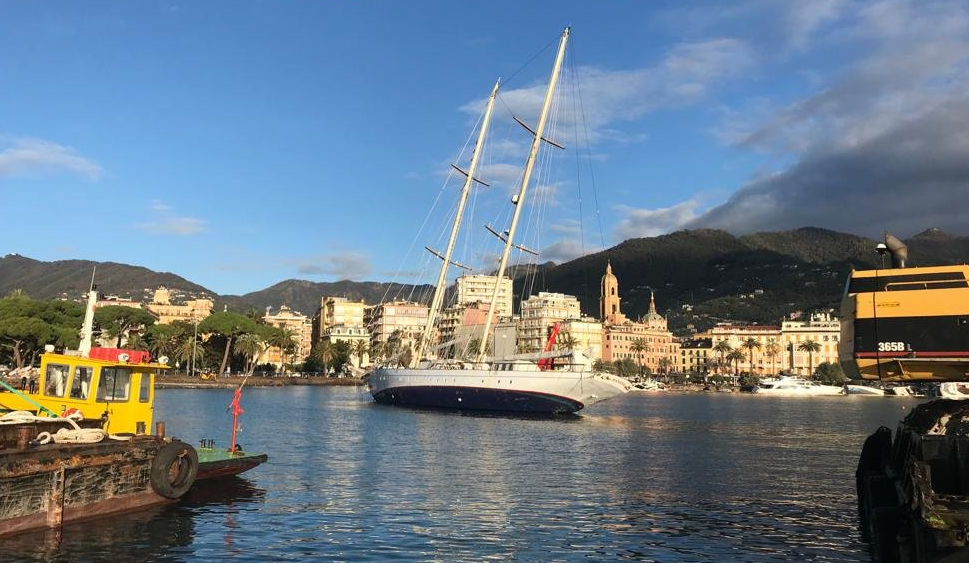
<point>586,334</point>
<point>461,325</point>
<point>539,313</point>
<point>357,338</point>
<point>336,311</point>
<point>470,289</point>
<point>301,329</point>
<point>192,311</point>
<point>821,328</point>
<point>696,355</point>
<point>647,342</point>
<point>766,352</point>
<point>777,348</point>
<point>401,321</point>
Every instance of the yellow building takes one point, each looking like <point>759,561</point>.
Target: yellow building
<point>587,333</point>
<point>780,347</point>
<point>696,355</point>
<point>473,288</point>
<point>539,313</point>
<point>299,326</point>
<point>609,310</point>
<point>336,311</point>
<point>821,328</point>
<point>768,357</point>
<point>352,335</point>
<point>192,311</point>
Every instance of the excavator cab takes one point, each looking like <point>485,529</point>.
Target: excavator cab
<point>906,324</point>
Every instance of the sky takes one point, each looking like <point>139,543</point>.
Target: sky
<point>239,144</point>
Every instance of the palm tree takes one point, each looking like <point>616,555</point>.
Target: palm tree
<point>810,347</point>
<point>772,350</point>
<point>325,351</point>
<point>360,349</point>
<point>750,344</point>
<point>525,347</point>
<point>665,364</point>
<point>567,342</point>
<point>735,356</point>
<point>249,345</point>
<point>639,346</point>
<point>722,348</point>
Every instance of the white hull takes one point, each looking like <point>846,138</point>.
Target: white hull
<point>794,387</point>
<point>486,388</point>
<point>864,390</point>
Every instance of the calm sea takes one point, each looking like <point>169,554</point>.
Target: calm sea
<point>644,477</point>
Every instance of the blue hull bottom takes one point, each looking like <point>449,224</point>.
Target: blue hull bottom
<point>473,398</point>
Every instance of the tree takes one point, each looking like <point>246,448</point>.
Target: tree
<point>566,341</point>
<point>626,367</point>
<point>750,345</point>
<point>117,320</point>
<point>324,353</point>
<point>284,339</point>
<point>360,349</point>
<point>27,325</point>
<point>665,364</point>
<point>830,374</point>
<point>229,326</point>
<point>772,350</point>
<point>810,347</point>
<point>639,346</point>
<point>526,347</point>
<point>735,356</point>
<point>722,348</point>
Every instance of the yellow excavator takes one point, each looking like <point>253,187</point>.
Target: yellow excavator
<point>904,324</point>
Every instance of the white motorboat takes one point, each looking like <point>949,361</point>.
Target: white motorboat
<point>796,387</point>
<point>864,390</point>
<point>530,383</point>
<point>954,390</point>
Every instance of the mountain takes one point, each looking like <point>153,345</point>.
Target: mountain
<point>70,278</point>
<point>704,276</point>
<point>699,276</point>
<point>304,296</point>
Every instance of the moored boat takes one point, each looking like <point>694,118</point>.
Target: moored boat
<point>796,387</point>
<point>864,390</point>
<point>523,383</point>
<point>77,445</point>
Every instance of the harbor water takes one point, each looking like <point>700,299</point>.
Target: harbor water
<point>643,477</point>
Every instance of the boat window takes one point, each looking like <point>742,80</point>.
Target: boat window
<point>144,392</point>
<point>81,384</point>
<point>56,380</point>
<point>114,384</point>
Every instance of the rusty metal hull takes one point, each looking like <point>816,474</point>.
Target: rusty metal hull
<point>48,485</point>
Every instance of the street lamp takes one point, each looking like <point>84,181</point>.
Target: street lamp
<point>882,250</point>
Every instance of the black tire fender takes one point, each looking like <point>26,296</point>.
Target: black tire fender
<point>174,469</point>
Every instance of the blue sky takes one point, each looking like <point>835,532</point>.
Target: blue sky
<point>242,143</point>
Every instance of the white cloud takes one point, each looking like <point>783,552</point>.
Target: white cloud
<point>35,156</point>
<point>564,250</point>
<point>682,77</point>
<point>652,222</point>
<point>881,145</point>
<point>164,221</point>
<point>343,265</point>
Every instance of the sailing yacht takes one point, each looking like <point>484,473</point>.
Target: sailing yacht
<point>549,382</point>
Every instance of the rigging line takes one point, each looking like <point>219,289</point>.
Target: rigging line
<point>578,177</point>
<point>530,61</point>
<point>588,149</point>
<point>430,211</point>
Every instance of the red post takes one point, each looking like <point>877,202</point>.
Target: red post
<point>236,411</point>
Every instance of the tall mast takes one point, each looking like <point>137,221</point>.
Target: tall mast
<point>465,191</point>
<point>519,201</point>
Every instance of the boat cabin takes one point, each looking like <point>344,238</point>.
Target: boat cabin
<point>115,385</point>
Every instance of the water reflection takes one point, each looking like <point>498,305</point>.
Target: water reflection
<point>661,477</point>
